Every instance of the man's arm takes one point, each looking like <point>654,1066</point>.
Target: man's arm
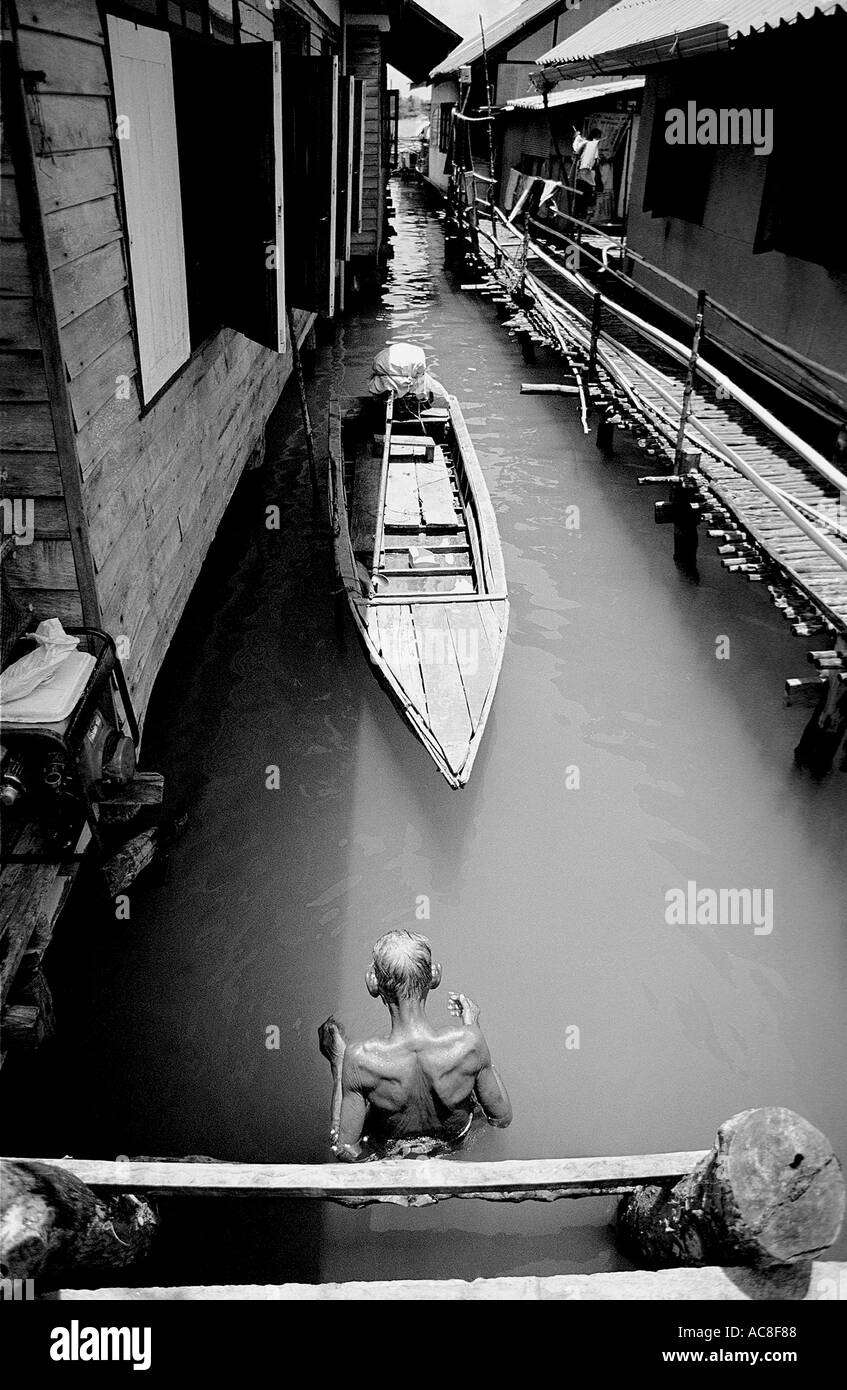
<point>333,1045</point>
<point>493,1096</point>
<point>353,1110</point>
<point>349,1107</point>
<point>490,1091</point>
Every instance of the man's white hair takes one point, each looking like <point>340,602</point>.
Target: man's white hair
<point>403,965</point>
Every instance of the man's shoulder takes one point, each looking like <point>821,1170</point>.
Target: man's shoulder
<point>358,1054</point>
<point>464,1044</point>
<point>366,1060</point>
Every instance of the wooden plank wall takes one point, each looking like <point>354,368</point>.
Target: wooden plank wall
<point>365,60</point>
<point>43,573</point>
<point>155,484</point>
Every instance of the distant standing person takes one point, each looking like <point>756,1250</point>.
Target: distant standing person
<point>587,151</point>
<point>420,1081</point>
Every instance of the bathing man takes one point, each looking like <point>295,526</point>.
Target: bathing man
<point>419,1080</point>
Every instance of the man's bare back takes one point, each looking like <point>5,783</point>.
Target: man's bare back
<point>419,1079</point>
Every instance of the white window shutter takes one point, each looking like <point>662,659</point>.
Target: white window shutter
<point>144,94</point>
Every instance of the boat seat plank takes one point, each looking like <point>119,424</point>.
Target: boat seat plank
<point>428,571</point>
<point>437,502</point>
<point>365,501</point>
<point>411,582</point>
<point>402,503</point>
<point>457,544</point>
<point>399,650</point>
<point>412,446</point>
<point>420,559</point>
<point>477,661</point>
<point>449,717</point>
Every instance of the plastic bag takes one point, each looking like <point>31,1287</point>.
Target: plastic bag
<point>401,368</point>
<point>31,671</point>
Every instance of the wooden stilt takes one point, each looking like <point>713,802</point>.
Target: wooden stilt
<point>823,744</point>
<point>606,435</point>
<point>685,531</point>
<point>679,459</point>
<point>596,318</point>
<point>527,348</point>
<point>770,1193</point>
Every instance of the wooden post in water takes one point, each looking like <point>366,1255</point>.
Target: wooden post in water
<point>606,434</point>
<point>523,300</point>
<point>679,460</point>
<point>823,744</point>
<point>304,407</point>
<point>770,1193</point>
<point>52,1222</point>
<point>596,319</point>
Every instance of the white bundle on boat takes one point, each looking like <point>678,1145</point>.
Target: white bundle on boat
<point>401,368</point>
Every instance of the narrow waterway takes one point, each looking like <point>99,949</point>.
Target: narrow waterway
<point>623,758</point>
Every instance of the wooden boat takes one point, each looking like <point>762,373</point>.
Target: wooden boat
<point>418,554</point>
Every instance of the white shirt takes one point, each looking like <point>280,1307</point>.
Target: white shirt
<point>587,151</point>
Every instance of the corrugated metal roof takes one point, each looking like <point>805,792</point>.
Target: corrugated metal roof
<point>579,91</point>
<point>650,30</point>
<point>496,33</point>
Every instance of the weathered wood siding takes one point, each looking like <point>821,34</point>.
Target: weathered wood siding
<point>155,482</point>
<point>42,573</point>
<point>365,60</point>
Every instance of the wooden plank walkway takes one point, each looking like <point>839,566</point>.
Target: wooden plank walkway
<point>826,1281</point>
<point>387,1180</point>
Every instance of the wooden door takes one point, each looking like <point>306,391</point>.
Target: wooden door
<point>147,148</point>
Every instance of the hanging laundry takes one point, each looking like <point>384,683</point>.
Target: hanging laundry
<point>526,186</point>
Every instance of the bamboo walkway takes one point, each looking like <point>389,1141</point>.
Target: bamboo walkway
<point>785,507</point>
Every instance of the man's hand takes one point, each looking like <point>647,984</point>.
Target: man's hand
<point>332,1040</point>
<point>460,1006</point>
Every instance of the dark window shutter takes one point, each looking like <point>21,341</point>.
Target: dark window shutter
<point>678,176</point>
<point>358,155</point>
<point>310,136</point>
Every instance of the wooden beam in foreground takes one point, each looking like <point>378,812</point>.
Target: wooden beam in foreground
<point>410,1182</point>
<point>825,1281</point>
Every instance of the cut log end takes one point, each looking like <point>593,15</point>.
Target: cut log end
<point>770,1194</point>
<point>786,1186</point>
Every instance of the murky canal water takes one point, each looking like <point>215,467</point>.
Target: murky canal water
<point>547,901</point>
